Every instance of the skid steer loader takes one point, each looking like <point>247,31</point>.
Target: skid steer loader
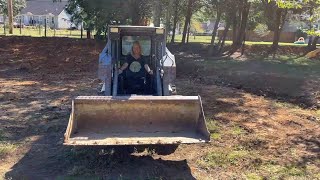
<point>155,115</point>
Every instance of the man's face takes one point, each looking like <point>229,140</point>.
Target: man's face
<point>136,49</point>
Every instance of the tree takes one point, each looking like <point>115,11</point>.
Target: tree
<point>139,11</point>
<point>187,20</point>
<point>311,14</point>
<point>281,11</point>
<point>97,14</point>
<point>18,5</point>
<point>11,8</point>
<point>192,7</point>
<point>156,13</point>
<point>177,15</point>
<point>240,20</point>
<point>219,10</point>
<point>213,9</point>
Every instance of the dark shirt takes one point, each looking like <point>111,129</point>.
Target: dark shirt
<point>136,67</point>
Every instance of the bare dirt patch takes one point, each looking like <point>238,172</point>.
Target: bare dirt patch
<point>253,136</point>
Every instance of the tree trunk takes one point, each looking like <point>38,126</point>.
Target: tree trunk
<point>214,33</point>
<point>168,18</point>
<point>283,19</point>
<point>188,32</point>
<point>314,43</point>
<point>88,34</point>
<point>136,20</point>
<point>240,36</point>
<point>309,43</point>
<point>175,20</point>
<point>234,27</point>
<point>223,39</point>
<point>216,26</point>
<point>188,17</point>
<point>156,13</point>
<point>310,28</point>
<point>243,24</point>
<point>243,45</point>
<point>10,15</point>
<point>277,31</point>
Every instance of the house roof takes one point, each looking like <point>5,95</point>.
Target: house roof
<point>44,7</point>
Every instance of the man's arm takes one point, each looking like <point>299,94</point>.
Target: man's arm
<point>123,67</point>
<point>147,68</point>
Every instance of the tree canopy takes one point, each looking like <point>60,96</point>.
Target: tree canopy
<point>17,6</point>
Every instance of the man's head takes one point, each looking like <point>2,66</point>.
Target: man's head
<point>136,48</point>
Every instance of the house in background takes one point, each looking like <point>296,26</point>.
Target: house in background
<point>1,19</point>
<point>37,12</point>
<point>209,25</point>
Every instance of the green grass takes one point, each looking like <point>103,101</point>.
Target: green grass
<point>224,158</point>
<point>253,176</point>
<point>6,148</point>
<point>2,137</point>
<point>35,32</point>
<point>207,39</point>
<point>275,171</point>
<point>214,129</point>
<point>285,105</point>
<point>215,136</point>
<point>237,131</point>
<point>288,65</point>
<point>212,126</point>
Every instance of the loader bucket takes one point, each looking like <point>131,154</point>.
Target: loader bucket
<point>136,120</point>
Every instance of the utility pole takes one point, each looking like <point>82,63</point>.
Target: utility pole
<point>10,14</point>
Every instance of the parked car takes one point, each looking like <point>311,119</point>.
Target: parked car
<point>17,25</point>
<point>72,28</point>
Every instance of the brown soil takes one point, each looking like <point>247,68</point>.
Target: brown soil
<point>40,76</point>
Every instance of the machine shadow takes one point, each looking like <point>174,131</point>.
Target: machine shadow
<point>55,161</point>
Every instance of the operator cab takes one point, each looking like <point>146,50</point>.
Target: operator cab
<point>153,52</point>
<point>135,79</point>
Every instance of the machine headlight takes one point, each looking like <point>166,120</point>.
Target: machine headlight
<point>114,30</point>
<point>160,31</point>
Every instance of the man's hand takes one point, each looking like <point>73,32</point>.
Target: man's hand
<point>120,71</point>
<point>150,72</point>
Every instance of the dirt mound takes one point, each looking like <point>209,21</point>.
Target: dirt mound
<point>199,48</point>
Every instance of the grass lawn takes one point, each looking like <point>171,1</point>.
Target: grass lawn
<point>207,39</point>
<point>36,32</point>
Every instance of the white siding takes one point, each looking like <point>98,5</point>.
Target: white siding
<point>1,18</point>
<point>64,20</point>
<point>25,20</point>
